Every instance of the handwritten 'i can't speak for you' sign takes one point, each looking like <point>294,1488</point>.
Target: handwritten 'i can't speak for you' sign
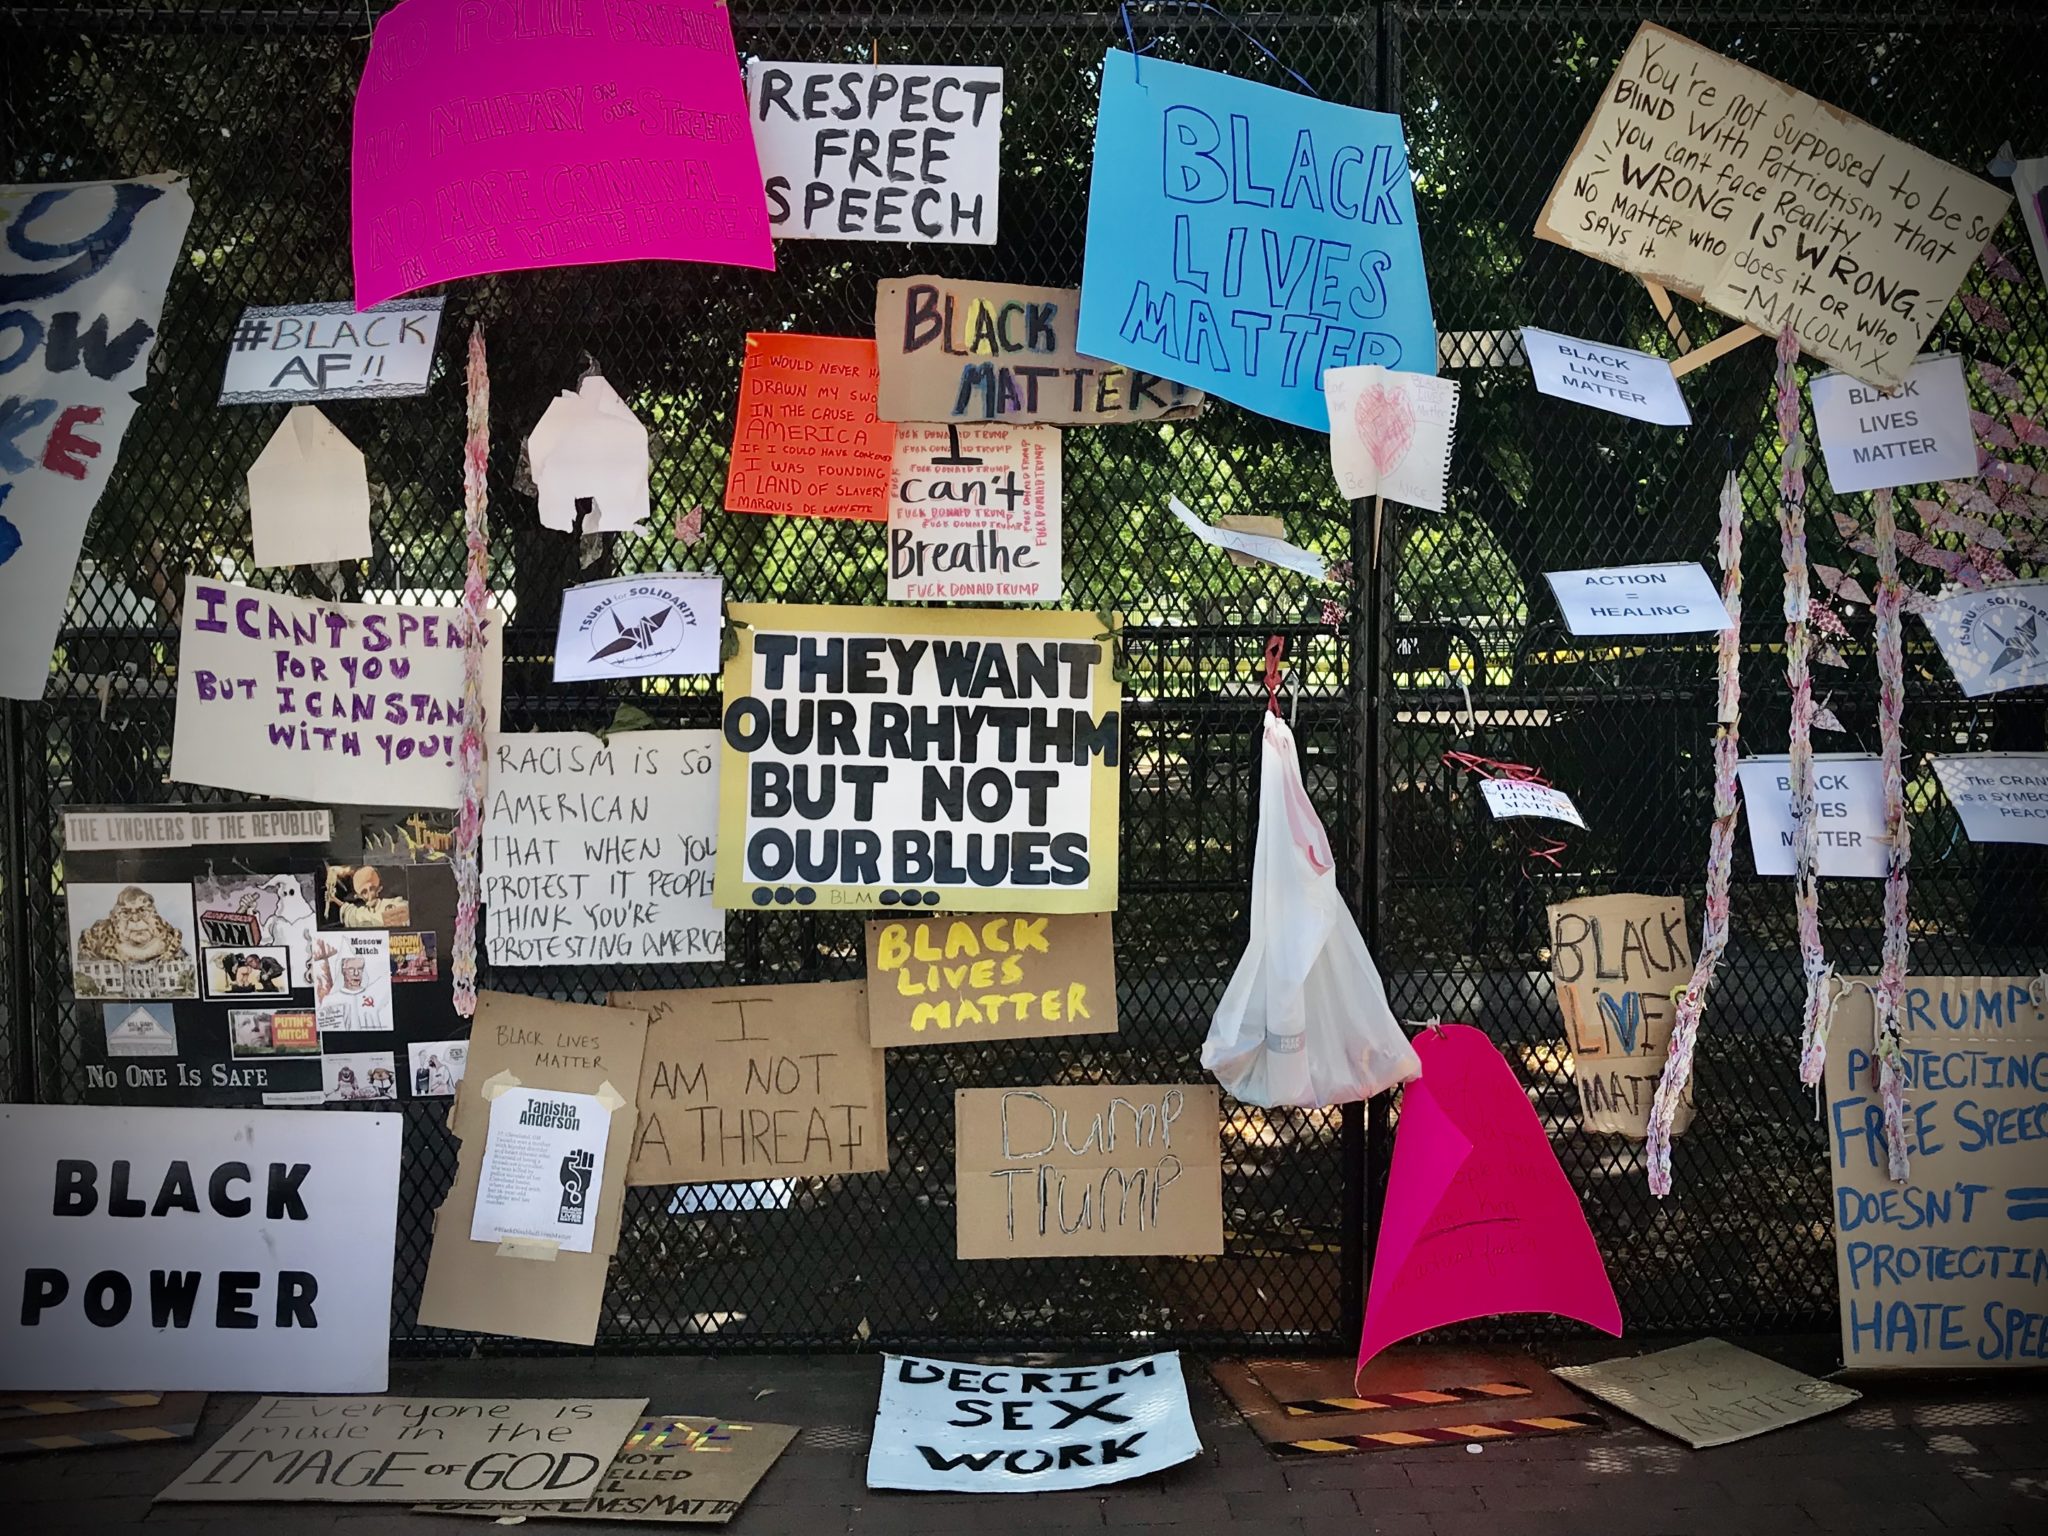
<point>1243,239</point>
<point>1759,201</point>
<point>346,703</point>
<point>493,138</point>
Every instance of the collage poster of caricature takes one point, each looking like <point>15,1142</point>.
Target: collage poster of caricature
<point>300,971</point>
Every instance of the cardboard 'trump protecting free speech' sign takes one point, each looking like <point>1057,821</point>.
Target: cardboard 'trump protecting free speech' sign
<point>1943,1272</point>
<point>1732,188</point>
<point>1083,1170</point>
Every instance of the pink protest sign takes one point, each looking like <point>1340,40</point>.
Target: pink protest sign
<point>1479,1218</point>
<point>490,138</point>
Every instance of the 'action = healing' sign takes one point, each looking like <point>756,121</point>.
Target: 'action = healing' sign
<point>866,152</point>
<point>1242,239</point>
<point>963,758</point>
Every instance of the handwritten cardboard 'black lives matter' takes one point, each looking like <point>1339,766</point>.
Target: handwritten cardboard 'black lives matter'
<point>964,759</point>
<point>675,1470</point>
<point>758,1083</point>
<point>399,1450</point>
<point>1732,188</point>
<point>1615,961</point>
<point>519,1290</point>
<point>940,980</point>
<point>955,350</point>
<point>1086,1170</point>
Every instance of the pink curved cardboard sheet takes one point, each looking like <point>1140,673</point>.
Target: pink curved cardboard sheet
<point>492,138</point>
<point>1480,1219</point>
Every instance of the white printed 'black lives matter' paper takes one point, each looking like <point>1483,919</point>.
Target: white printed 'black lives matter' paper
<point>2002,797</point>
<point>1913,435</point>
<point>1510,798</point>
<point>1674,599</point>
<point>1618,379</point>
<point>1014,1429</point>
<point>1848,807</point>
<point>216,1250</point>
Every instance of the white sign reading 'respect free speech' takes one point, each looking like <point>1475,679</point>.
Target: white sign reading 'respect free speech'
<point>1672,599</point>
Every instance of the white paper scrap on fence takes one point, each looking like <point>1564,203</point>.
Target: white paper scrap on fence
<point>904,153</point>
<point>2002,797</point>
<point>1995,638</point>
<point>942,1424</point>
<point>1509,798</point>
<point>602,852</point>
<point>1913,435</point>
<point>330,352</point>
<point>1848,808</point>
<point>1629,383</point>
<point>1675,599</point>
<point>1272,551</point>
<point>346,703</point>
<point>206,1250</point>
<point>309,494</point>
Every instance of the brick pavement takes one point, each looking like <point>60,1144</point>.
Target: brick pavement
<point>1927,1458</point>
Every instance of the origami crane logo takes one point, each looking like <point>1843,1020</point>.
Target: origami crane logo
<point>2023,645</point>
<point>639,640</point>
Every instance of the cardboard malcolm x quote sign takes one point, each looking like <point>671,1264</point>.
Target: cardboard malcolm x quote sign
<point>1708,1392</point>
<point>400,1450</point>
<point>940,980</point>
<point>867,152</point>
<point>1614,961</point>
<point>1006,1429</point>
<point>673,1469</point>
<point>523,1288</point>
<point>602,851</point>
<point>83,267</point>
<point>1759,201</point>
<point>1993,639</point>
<point>772,1082</point>
<point>1675,599</point>
<point>1083,1170</point>
<point>196,1249</point>
<point>1915,434</point>
<point>2002,797</point>
<point>974,514</point>
<point>350,703</point>
<point>330,352</point>
<point>964,759</point>
<point>1848,805</point>
<point>1944,1271</point>
<point>952,349</point>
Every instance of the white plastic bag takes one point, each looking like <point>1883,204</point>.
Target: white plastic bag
<point>1304,1021</point>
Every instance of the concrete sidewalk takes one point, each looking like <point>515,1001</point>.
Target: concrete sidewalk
<point>1907,1459</point>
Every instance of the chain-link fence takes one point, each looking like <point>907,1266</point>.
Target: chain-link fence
<point>1449,640</point>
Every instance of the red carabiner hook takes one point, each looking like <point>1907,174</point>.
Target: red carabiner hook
<point>1276,651</point>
